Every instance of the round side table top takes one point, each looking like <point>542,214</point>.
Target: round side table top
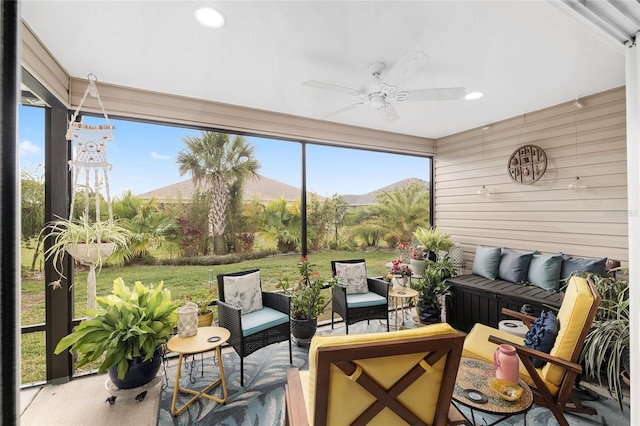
<point>206,339</point>
<point>403,293</point>
<point>476,374</point>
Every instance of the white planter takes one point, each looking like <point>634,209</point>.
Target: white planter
<point>87,254</point>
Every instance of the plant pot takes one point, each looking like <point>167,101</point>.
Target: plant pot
<point>139,372</point>
<point>418,266</point>
<point>87,254</point>
<point>429,314</point>
<point>205,320</point>
<point>303,330</point>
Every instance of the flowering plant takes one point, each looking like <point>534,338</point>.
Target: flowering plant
<point>307,299</point>
<point>398,268</point>
<point>404,250</point>
<point>203,300</point>
<point>417,254</point>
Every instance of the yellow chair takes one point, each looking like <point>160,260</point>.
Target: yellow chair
<point>392,378</point>
<point>553,383</point>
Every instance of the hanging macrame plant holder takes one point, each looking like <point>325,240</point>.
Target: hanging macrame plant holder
<point>90,162</point>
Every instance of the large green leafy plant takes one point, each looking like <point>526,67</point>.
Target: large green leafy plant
<point>129,323</point>
<point>432,286</point>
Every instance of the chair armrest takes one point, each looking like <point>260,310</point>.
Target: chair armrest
<point>296,407</point>
<point>525,353</point>
<point>230,318</point>
<point>278,301</point>
<point>526,319</point>
<point>378,286</point>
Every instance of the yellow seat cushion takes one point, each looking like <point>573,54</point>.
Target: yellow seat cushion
<point>477,345</point>
<point>572,317</point>
<point>347,399</point>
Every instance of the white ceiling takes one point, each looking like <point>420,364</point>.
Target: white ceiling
<point>525,55</point>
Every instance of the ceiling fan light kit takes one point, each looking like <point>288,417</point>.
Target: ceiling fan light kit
<point>380,92</point>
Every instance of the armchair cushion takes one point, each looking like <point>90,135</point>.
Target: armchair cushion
<point>244,292</point>
<point>379,367</point>
<point>542,335</point>
<point>353,276</point>
<point>360,300</point>
<point>262,319</point>
<point>486,262</point>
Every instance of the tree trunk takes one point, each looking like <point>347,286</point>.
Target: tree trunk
<point>217,214</point>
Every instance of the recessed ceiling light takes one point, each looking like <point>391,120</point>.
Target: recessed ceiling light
<point>473,95</point>
<point>209,17</point>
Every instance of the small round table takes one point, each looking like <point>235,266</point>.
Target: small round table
<point>399,295</point>
<point>475,374</point>
<point>207,339</point>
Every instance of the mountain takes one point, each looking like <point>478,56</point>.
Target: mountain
<point>370,197</point>
<point>266,189</point>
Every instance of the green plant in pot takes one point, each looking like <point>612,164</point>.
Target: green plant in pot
<point>89,243</point>
<point>127,331</point>
<point>606,348</point>
<point>308,300</point>
<point>433,241</point>
<point>432,288</point>
<point>203,301</point>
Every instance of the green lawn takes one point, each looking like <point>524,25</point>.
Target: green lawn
<point>180,280</point>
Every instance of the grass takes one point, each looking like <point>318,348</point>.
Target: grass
<point>180,280</point>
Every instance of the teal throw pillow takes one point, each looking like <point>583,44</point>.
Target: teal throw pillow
<point>572,264</point>
<point>514,266</point>
<point>486,262</point>
<point>542,335</point>
<point>544,271</point>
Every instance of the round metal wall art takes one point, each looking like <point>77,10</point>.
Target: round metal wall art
<point>527,164</point>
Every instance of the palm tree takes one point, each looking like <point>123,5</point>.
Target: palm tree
<point>400,211</point>
<point>218,162</point>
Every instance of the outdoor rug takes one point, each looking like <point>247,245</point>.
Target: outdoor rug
<point>261,401</point>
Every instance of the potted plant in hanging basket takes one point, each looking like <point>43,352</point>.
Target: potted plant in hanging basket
<point>433,289</point>
<point>89,243</point>
<point>128,331</point>
<point>307,300</point>
<point>433,241</point>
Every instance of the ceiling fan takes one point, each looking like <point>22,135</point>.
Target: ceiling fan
<point>379,91</point>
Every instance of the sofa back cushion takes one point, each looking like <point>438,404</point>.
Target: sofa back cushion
<point>544,271</point>
<point>572,264</point>
<point>514,266</point>
<point>486,262</point>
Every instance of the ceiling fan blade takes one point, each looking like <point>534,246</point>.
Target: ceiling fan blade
<point>441,94</point>
<point>347,108</point>
<point>332,87</point>
<point>389,113</point>
<point>405,67</point>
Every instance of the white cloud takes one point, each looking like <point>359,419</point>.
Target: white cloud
<point>29,148</point>
<point>158,156</point>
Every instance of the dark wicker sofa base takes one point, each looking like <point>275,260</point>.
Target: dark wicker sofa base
<point>477,299</point>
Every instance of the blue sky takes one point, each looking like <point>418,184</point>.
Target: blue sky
<point>143,158</point>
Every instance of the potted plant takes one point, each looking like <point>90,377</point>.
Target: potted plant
<point>203,301</point>
<point>606,348</point>
<point>128,331</point>
<point>418,262</point>
<point>433,288</point>
<point>307,299</point>
<point>88,243</point>
<point>398,274</point>
<point>433,241</point>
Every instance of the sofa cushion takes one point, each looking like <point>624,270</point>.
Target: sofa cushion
<point>571,264</point>
<point>514,266</point>
<point>542,335</point>
<point>353,276</point>
<point>261,320</point>
<point>544,271</point>
<point>361,300</point>
<point>486,262</point>
<point>243,292</point>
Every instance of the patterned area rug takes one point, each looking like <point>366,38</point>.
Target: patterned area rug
<point>261,401</point>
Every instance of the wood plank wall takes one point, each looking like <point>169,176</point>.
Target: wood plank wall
<point>589,142</point>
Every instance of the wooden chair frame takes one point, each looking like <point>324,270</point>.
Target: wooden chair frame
<point>565,400</point>
<point>230,318</point>
<point>354,315</point>
<point>342,356</point>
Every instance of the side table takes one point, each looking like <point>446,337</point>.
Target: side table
<point>399,295</point>
<point>207,338</point>
<point>475,374</point>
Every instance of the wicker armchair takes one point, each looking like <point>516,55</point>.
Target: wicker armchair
<point>255,330</point>
<point>359,307</point>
